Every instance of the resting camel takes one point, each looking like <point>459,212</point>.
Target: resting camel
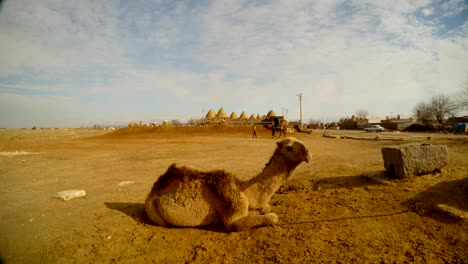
<point>189,197</point>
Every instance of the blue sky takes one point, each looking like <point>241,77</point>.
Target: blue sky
<point>72,63</point>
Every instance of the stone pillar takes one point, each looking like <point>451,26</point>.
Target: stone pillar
<point>410,160</point>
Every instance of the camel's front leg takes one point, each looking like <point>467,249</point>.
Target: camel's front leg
<point>254,219</point>
<point>237,216</point>
<point>265,209</point>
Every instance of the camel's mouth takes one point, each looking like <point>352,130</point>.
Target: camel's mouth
<point>308,157</point>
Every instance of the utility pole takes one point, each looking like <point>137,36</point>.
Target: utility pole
<point>284,111</point>
<point>203,115</point>
<point>300,108</point>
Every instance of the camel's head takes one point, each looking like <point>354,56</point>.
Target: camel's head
<point>294,150</point>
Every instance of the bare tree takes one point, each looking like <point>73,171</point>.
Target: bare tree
<point>361,113</point>
<point>439,107</point>
<point>423,111</point>
<point>175,122</point>
<point>442,106</point>
<point>462,99</point>
<point>315,123</point>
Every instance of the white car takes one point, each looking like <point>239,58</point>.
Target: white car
<point>376,128</point>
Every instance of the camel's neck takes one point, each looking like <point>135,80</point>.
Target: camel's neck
<point>260,189</point>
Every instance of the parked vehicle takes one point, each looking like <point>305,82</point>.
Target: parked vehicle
<point>374,128</point>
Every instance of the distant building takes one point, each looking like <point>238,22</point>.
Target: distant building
<point>210,116</point>
<point>363,123</point>
<point>221,117</point>
<point>458,124</point>
<point>397,124</point>
<point>233,116</point>
<point>271,113</point>
<point>243,116</point>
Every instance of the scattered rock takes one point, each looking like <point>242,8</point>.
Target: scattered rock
<point>452,211</point>
<point>16,153</point>
<point>328,135</point>
<point>125,183</point>
<point>414,159</point>
<point>70,194</point>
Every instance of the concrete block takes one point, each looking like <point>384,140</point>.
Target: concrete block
<point>410,160</point>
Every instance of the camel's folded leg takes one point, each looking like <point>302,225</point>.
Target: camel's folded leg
<point>152,211</point>
<point>253,219</point>
<point>265,209</point>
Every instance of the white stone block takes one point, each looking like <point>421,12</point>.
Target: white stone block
<point>70,194</point>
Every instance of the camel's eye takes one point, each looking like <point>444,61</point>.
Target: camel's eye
<point>289,148</point>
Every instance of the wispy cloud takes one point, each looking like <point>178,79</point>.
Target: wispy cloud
<point>170,59</point>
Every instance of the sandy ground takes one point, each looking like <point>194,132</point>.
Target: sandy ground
<point>330,212</point>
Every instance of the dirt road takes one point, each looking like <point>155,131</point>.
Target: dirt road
<point>329,212</point>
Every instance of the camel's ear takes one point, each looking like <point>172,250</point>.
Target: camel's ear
<point>288,145</point>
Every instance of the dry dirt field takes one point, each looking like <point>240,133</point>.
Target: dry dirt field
<point>330,212</point>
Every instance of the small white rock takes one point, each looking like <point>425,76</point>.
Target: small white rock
<point>70,194</point>
<point>452,211</point>
<point>125,183</point>
<point>16,153</point>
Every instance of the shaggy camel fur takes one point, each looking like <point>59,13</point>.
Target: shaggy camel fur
<point>188,197</point>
